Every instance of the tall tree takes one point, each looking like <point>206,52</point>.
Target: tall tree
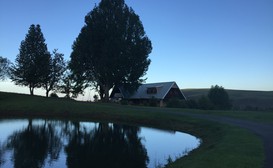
<point>112,48</point>
<point>56,70</point>
<point>32,64</point>
<point>4,68</point>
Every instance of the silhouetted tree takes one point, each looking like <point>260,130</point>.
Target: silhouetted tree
<point>2,150</point>
<point>57,68</point>
<point>111,49</point>
<point>69,86</point>
<point>219,97</point>
<point>32,145</point>
<point>106,146</point>
<point>4,68</point>
<point>32,64</point>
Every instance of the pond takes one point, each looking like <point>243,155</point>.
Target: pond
<point>46,143</point>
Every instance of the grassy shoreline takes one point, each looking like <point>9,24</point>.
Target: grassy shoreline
<point>222,145</point>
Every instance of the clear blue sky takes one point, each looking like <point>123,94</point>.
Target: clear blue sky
<point>197,43</point>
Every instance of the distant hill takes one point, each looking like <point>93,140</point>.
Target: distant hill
<point>241,99</point>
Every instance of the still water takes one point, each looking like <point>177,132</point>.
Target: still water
<point>58,144</point>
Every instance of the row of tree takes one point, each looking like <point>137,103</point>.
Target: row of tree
<point>111,49</point>
<point>35,66</point>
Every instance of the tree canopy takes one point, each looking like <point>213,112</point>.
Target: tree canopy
<point>4,68</point>
<point>32,64</point>
<point>57,66</point>
<point>111,49</point>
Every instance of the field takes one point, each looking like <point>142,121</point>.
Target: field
<point>222,146</point>
<point>241,99</point>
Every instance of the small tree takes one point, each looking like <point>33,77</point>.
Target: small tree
<point>32,64</point>
<point>4,68</point>
<point>69,86</point>
<point>219,97</point>
<point>56,70</point>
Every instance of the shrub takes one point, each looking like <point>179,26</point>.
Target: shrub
<point>54,95</point>
<point>192,104</point>
<point>176,103</point>
<point>204,103</point>
<point>153,102</point>
<point>219,98</point>
<point>124,102</point>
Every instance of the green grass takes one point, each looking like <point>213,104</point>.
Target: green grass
<point>222,145</point>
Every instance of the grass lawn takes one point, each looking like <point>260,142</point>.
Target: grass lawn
<point>222,145</point>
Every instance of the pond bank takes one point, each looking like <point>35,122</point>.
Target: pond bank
<point>222,145</point>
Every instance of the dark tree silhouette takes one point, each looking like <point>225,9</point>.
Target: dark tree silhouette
<point>219,97</point>
<point>32,64</point>
<point>111,49</point>
<point>69,86</point>
<point>32,145</point>
<point>57,68</point>
<point>106,146</point>
<point>2,150</point>
<point>4,68</point>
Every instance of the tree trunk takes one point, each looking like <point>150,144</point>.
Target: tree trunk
<point>47,92</point>
<point>31,90</point>
<point>106,93</point>
<point>101,92</point>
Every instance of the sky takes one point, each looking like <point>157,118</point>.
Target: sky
<point>197,43</point>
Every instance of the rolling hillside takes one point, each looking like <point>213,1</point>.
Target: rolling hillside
<point>241,99</point>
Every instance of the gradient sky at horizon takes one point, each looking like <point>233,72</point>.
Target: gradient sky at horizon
<point>197,43</point>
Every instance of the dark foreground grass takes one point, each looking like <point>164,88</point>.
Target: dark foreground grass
<point>222,145</point>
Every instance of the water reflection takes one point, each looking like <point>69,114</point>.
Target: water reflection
<point>42,143</point>
<point>32,145</point>
<point>1,154</point>
<point>106,146</point>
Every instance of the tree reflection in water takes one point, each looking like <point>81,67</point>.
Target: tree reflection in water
<point>104,145</point>
<point>1,154</point>
<point>32,145</point>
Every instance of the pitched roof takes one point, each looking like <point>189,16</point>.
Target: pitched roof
<point>146,91</point>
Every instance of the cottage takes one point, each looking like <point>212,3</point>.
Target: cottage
<point>160,92</point>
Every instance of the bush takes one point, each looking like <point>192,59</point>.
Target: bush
<point>153,102</point>
<point>176,103</point>
<point>219,98</point>
<point>124,102</point>
<point>192,104</point>
<point>54,95</point>
<point>204,103</point>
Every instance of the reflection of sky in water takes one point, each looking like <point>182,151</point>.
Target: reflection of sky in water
<point>8,126</point>
<point>160,144</point>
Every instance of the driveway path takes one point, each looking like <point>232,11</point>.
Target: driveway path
<point>264,131</point>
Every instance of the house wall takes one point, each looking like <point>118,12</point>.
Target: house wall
<point>147,102</point>
<point>174,93</point>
